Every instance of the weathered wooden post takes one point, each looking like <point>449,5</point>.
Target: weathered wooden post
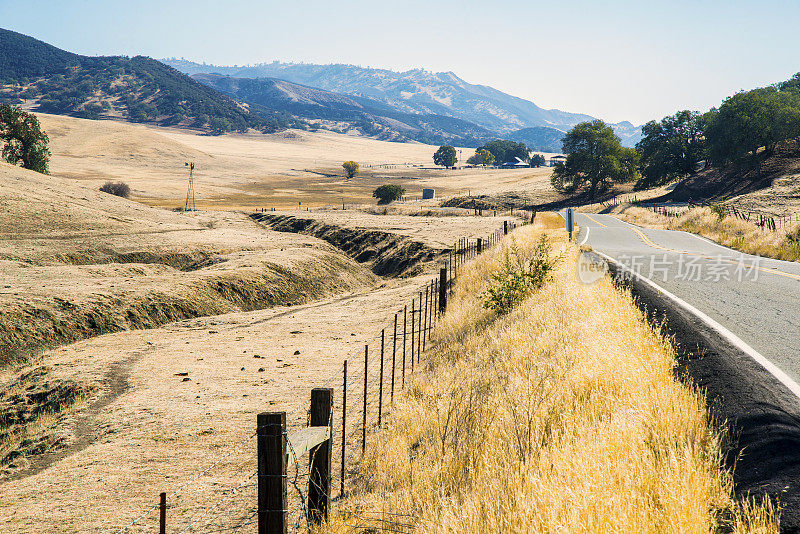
<point>479,246</point>
<point>162,516</point>
<point>442,290</point>
<point>344,423</point>
<point>319,477</point>
<point>271,450</point>
<point>505,227</point>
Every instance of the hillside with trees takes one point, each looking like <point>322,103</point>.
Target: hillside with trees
<point>740,147</point>
<point>43,78</point>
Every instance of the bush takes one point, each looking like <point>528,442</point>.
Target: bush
<point>387,193</point>
<point>120,189</point>
<point>718,210</point>
<point>518,277</point>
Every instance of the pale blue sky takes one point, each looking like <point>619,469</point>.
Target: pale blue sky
<point>617,60</point>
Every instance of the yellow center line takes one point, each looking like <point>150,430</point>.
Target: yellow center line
<point>595,220</point>
<point>647,241</point>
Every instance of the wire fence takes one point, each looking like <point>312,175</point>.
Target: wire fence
<point>765,221</point>
<point>365,385</point>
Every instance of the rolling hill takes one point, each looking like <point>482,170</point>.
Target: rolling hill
<point>44,78</point>
<point>369,116</point>
<point>416,91</point>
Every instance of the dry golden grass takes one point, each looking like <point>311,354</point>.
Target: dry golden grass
<point>728,231</point>
<point>562,416</point>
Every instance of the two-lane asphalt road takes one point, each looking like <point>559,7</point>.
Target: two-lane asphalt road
<point>757,299</point>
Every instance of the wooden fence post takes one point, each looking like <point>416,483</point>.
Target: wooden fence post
<point>479,246</point>
<point>271,445</point>
<point>162,519</point>
<point>364,424</point>
<point>505,227</point>
<point>442,290</point>
<point>319,477</point>
<point>344,423</point>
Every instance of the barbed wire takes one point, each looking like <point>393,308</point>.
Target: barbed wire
<point>219,502</point>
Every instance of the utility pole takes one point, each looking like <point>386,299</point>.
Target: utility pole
<point>190,191</point>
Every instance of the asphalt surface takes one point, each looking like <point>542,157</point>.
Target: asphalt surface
<point>758,299</point>
<point>755,299</point>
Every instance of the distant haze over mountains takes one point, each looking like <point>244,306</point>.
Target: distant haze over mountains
<point>417,91</point>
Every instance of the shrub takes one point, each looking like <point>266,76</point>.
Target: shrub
<point>120,189</point>
<point>387,193</point>
<point>718,210</point>
<point>519,276</point>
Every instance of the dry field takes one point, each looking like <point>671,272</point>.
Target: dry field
<point>251,171</point>
<point>562,416</point>
<point>139,343</point>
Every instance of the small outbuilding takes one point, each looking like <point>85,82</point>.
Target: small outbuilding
<point>427,194</point>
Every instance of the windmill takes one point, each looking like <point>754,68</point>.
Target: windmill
<point>190,191</point>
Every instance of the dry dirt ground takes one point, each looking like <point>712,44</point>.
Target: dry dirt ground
<point>154,337</point>
<point>247,171</point>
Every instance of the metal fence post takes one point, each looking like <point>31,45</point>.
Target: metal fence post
<point>442,290</point>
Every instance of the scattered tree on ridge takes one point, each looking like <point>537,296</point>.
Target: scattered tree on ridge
<point>595,160</point>
<point>388,193</point>
<point>350,168</point>
<point>445,156</point>
<point>24,142</point>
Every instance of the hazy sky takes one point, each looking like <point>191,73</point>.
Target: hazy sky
<point>617,60</point>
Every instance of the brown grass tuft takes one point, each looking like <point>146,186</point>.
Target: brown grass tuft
<point>728,231</point>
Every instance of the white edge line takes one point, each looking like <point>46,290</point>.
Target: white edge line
<point>737,342</point>
<point>585,238</point>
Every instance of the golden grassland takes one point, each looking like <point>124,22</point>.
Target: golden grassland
<point>728,231</point>
<point>563,415</point>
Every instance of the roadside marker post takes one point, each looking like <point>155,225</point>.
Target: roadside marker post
<point>570,223</point>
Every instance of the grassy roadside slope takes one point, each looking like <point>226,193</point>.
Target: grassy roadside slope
<point>728,231</point>
<point>563,415</point>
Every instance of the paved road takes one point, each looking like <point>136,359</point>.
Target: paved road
<point>758,299</point>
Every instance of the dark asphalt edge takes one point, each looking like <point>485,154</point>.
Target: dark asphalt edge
<point>760,413</point>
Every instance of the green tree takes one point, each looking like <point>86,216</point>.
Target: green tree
<point>24,142</point>
<point>445,156</point>
<point>507,151</point>
<point>595,160</point>
<point>350,168</point>
<point>537,160</point>
<point>670,149</point>
<point>481,157</point>
<point>748,121</point>
<point>387,193</point>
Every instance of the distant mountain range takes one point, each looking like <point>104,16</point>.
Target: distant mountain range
<point>421,92</point>
<point>416,105</point>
